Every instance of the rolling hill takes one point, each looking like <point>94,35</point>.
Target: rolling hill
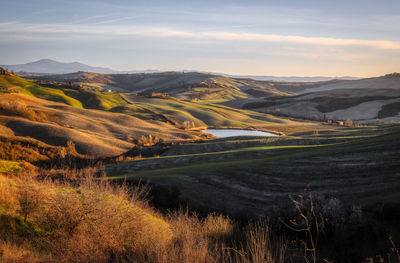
<point>106,123</point>
<point>191,85</point>
<point>94,132</point>
<point>210,115</point>
<point>363,101</point>
<point>59,113</point>
<point>252,177</point>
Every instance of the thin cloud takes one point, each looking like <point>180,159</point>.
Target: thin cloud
<point>109,31</point>
<point>321,41</point>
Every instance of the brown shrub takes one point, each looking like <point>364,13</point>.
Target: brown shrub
<point>20,109</point>
<point>13,253</point>
<point>29,196</point>
<point>148,140</point>
<point>95,221</point>
<point>257,247</point>
<point>8,197</point>
<point>27,149</point>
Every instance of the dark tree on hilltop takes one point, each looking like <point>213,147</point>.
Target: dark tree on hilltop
<point>3,71</point>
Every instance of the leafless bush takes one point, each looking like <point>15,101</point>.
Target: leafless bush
<point>257,247</point>
<point>148,140</point>
<point>15,253</point>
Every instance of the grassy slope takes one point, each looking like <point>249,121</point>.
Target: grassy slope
<point>20,85</point>
<point>212,115</point>
<point>189,85</point>
<point>357,169</point>
<point>114,135</point>
<point>360,100</point>
<point>178,111</point>
<point>175,110</point>
<point>9,166</point>
<point>94,132</point>
<point>77,97</point>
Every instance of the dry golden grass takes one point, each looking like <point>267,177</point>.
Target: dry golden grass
<point>148,140</point>
<point>94,221</point>
<point>94,132</point>
<point>12,253</point>
<point>14,148</point>
<point>91,223</point>
<point>21,109</point>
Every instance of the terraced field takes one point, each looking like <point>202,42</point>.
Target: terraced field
<point>255,175</point>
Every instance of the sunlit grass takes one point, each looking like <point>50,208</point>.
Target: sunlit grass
<point>9,166</point>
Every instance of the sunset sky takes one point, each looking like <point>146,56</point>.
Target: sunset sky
<point>282,38</point>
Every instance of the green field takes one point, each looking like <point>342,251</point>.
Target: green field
<point>357,165</point>
<point>80,97</point>
<point>8,166</point>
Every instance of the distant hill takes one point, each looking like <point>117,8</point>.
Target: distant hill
<point>54,67</point>
<point>289,78</point>
<point>190,85</point>
<point>48,66</point>
<point>364,101</point>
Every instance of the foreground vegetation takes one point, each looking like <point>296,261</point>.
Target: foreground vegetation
<point>90,220</point>
<point>44,221</point>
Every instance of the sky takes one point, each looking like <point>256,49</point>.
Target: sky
<point>281,38</point>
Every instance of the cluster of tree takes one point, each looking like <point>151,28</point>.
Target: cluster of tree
<point>5,72</point>
<point>148,140</point>
<point>187,125</point>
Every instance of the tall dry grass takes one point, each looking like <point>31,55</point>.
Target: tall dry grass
<point>95,221</point>
<point>15,148</point>
<point>20,109</point>
<point>13,253</point>
<point>90,220</point>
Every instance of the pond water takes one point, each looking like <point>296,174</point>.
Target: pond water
<point>222,133</point>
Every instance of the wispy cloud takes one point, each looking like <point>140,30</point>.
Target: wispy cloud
<point>22,29</point>
<point>320,41</point>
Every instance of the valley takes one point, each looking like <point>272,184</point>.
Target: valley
<point>199,131</point>
<point>257,174</point>
<point>336,139</point>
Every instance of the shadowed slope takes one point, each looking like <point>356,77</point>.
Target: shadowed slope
<point>211,115</point>
<point>362,100</point>
<point>94,132</point>
<point>239,175</point>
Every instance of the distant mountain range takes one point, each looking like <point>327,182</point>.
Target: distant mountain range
<point>54,67</point>
<point>48,66</point>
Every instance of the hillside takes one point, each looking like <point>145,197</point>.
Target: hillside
<point>363,101</point>
<point>94,132</point>
<point>68,93</point>
<point>254,176</point>
<point>33,109</point>
<point>210,115</point>
<point>191,85</point>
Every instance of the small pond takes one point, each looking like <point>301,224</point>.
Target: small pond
<point>222,133</point>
